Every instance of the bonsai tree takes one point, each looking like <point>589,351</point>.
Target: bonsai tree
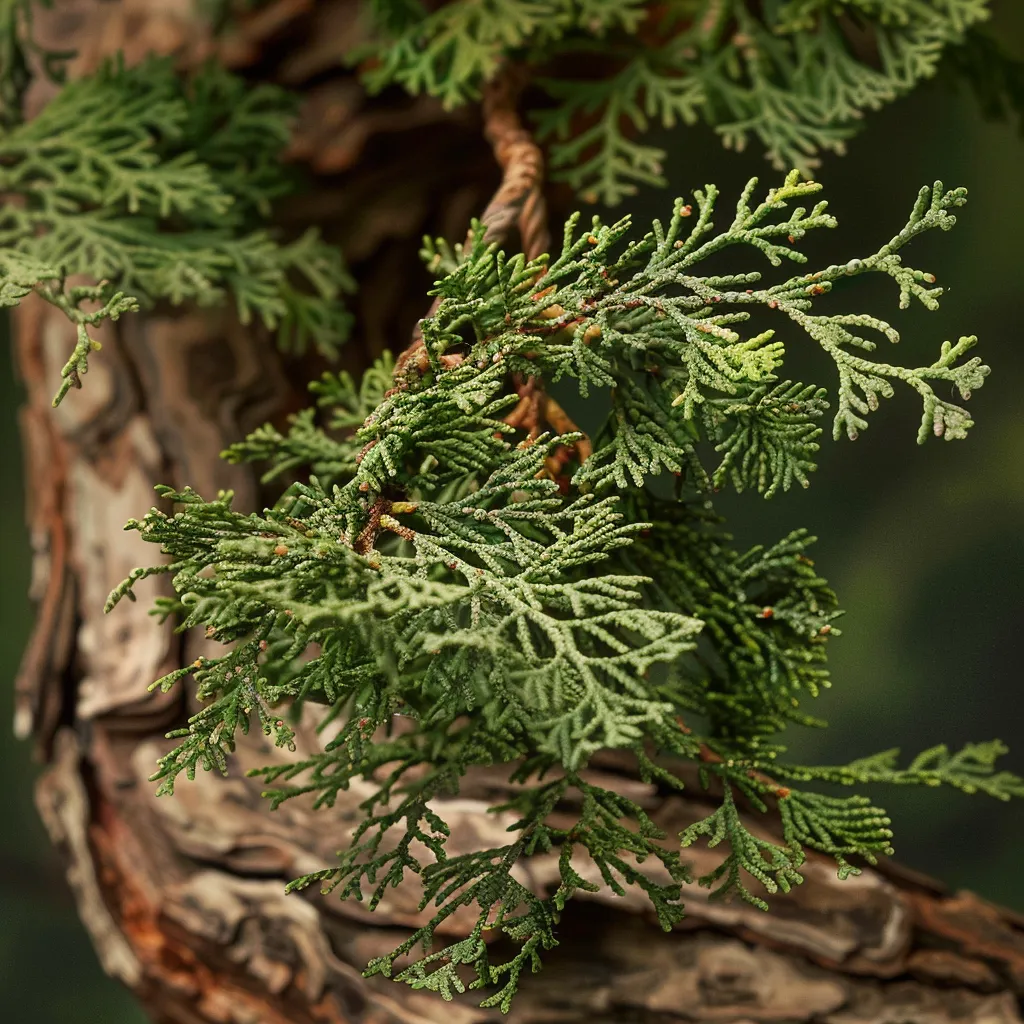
<point>477,634</point>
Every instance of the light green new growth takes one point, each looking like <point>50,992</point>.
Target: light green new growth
<point>154,188</point>
<point>797,76</point>
<point>519,605</point>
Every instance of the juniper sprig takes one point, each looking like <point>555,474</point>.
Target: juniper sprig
<point>154,187</point>
<point>795,77</point>
<point>461,576</point>
<point>450,549</point>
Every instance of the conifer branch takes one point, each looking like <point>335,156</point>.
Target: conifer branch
<point>450,551</point>
<point>523,600</point>
<point>158,188</point>
<point>788,76</point>
<point>518,201</point>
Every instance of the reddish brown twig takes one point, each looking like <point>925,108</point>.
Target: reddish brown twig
<point>368,535</point>
<point>518,201</point>
<point>709,756</point>
<point>527,413</point>
<point>535,408</point>
<point>560,421</point>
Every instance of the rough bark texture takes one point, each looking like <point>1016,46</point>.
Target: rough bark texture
<point>184,897</point>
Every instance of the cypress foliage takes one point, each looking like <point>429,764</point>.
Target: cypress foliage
<point>453,568</point>
<point>797,76</point>
<point>524,599</point>
<point>155,187</point>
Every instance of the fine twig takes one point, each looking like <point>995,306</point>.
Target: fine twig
<point>709,756</point>
<point>518,201</point>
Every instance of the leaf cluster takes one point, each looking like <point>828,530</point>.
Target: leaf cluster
<point>155,188</point>
<point>462,590</point>
<point>460,576</point>
<point>795,77</point>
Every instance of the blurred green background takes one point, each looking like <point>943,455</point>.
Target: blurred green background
<point>924,545</point>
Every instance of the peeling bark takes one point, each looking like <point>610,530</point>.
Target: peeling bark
<point>184,896</point>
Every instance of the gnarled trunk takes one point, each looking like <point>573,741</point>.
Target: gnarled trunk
<point>184,896</point>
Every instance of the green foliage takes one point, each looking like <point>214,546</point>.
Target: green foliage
<point>451,51</point>
<point>155,188</point>
<point>646,309</point>
<point>520,599</point>
<point>797,77</point>
<point>520,605</point>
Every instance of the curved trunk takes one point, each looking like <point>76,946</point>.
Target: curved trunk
<point>184,896</point>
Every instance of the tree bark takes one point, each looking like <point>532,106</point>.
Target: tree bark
<point>184,896</point>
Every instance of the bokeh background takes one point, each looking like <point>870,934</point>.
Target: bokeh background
<point>924,545</point>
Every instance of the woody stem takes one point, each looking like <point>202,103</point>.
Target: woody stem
<point>519,199</point>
